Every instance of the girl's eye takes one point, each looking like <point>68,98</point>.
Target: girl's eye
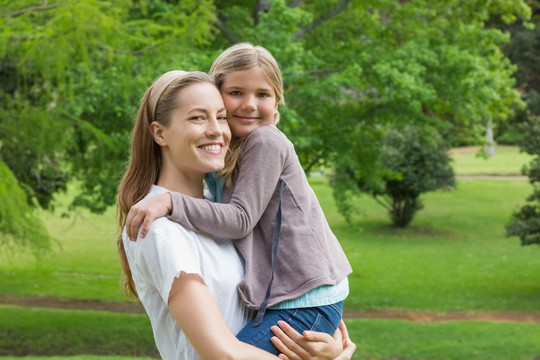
<point>236,93</point>
<point>222,118</point>
<point>263,95</point>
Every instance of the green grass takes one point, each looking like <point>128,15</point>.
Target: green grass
<point>455,256</point>
<point>508,160</point>
<point>83,263</point>
<point>79,357</point>
<point>394,339</point>
<point>31,330</point>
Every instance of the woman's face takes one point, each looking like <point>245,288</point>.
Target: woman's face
<point>250,100</point>
<point>198,135</point>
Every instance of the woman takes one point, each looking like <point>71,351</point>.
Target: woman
<point>186,281</point>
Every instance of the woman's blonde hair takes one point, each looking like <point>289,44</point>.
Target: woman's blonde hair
<point>240,57</point>
<point>145,159</point>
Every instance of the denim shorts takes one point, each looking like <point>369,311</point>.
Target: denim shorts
<point>322,318</point>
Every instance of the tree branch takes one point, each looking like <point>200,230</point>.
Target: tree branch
<point>323,71</point>
<point>296,3</point>
<point>31,9</point>
<point>226,32</point>
<point>260,5</point>
<point>385,204</point>
<point>339,8</point>
<point>119,51</point>
<point>314,162</point>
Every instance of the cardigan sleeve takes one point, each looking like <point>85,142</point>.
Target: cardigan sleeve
<point>259,168</point>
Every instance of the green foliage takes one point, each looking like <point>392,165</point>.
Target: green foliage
<point>72,73</point>
<point>525,222</point>
<point>19,225</point>
<point>412,161</point>
<point>34,140</point>
<point>524,51</point>
<point>80,67</point>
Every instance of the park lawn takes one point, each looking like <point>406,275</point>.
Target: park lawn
<point>508,160</point>
<point>455,256</point>
<point>64,334</point>
<point>83,263</point>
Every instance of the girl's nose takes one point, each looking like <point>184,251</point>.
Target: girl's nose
<point>249,103</point>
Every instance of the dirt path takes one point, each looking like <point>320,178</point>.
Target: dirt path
<point>416,316</point>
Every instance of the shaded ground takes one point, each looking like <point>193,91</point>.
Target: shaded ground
<point>416,316</point>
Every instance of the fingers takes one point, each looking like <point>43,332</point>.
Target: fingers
<point>135,218</point>
<point>312,345</point>
<point>343,329</point>
<point>289,331</point>
<point>131,229</point>
<point>144,212</point>
<point>146,225</point>
<point>286,353</point>
<point>348,351</point>
<point>315,336</point>
<point>287,341</point>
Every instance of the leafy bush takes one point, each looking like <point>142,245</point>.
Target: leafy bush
<point>413,161</point>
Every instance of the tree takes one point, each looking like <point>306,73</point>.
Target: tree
<point>523,50</point>
<point>71,75</point>
<point>76,69</point>
<point>413,160</point>
<point>525,222</point>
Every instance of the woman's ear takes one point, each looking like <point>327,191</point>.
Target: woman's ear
<point>157,133</point>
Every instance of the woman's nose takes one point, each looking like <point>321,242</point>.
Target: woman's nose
<point>213,128</point>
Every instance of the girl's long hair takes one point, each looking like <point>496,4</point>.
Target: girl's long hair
<point>145,158</point>
<point>240,57</point>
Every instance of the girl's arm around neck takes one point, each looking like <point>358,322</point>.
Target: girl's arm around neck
<point>262,161</point>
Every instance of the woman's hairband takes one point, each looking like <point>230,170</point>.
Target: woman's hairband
<point>159,87</point>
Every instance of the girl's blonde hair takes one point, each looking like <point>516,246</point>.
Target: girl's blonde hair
<point>145,159</point>
<point>240,57</point>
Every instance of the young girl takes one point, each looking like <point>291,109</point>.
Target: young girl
<point>295,268</point>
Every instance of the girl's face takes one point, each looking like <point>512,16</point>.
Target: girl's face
<point>250,101</point>
<point>195,141</point>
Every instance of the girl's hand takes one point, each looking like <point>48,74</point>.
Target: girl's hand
<point>144,212</point>
<point>312,345</point>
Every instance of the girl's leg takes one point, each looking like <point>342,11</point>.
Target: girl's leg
<point>323,319</point>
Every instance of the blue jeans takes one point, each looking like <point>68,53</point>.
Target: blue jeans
<point>322,318</point>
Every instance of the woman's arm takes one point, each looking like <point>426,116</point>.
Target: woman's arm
<point>198,315</point>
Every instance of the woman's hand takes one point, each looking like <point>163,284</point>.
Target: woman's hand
<point>312,345</point>
<point>144,212</point>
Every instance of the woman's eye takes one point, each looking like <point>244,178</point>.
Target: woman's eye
<point>223,118</point>
<point>196,118</point>
<point>236,93</point>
